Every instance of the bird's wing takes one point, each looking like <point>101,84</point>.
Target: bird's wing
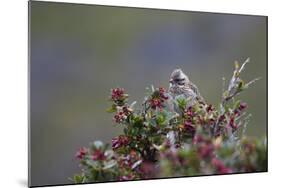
<point>195,89</point>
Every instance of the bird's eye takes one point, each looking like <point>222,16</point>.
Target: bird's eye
<point>179,80</point>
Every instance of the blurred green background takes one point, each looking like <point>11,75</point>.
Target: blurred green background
<point>80,52</point>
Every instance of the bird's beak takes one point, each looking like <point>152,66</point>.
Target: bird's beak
<point>171,81</point>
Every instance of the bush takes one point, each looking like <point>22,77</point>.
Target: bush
<point>166,137</point>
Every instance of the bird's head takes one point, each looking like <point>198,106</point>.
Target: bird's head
<point>178,78</point>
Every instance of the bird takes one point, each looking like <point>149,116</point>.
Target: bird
<point>180,85</point>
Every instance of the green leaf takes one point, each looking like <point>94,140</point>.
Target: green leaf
<point>236,104</point>
<point>236,63</point>
<point>163,117</point>
<point>152,122</point>
<point>134,131</point>
<point>112,109</point>
<point>78,178</point>
<point>125,130</point>
<point>181,102</point>
<point>109,164</point>
<point>225,94</point>
<point>241,85</point>
<point>137,121</point>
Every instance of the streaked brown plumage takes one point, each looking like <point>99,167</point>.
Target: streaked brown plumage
<point>181,85</point>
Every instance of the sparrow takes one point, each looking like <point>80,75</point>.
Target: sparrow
<point>180,85</point>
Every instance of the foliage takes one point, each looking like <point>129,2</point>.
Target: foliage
<point>166,137</point>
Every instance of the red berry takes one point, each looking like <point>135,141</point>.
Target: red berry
<point>98,155</point>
